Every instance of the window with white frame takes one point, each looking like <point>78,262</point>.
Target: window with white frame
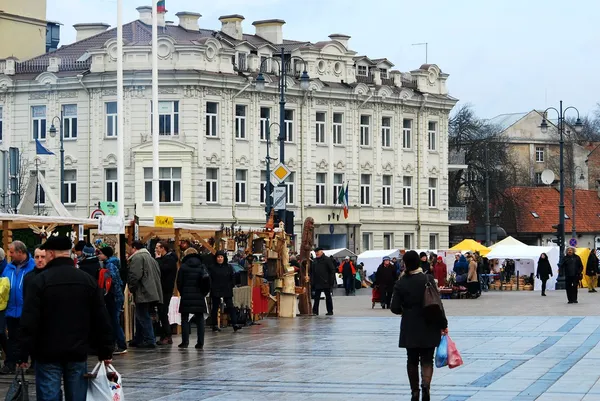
<point>384,75</point>
<point>386,191</point>
<point>263,186</point>
<point>169,184</point>
<point>338,119</point>
<point>1,123</point>
<point>111,180</point>
<point>320,188</point>
<point>69,192</point>
<point>290,189</point>
<point>242,63</point>
<point>432,131</point>
<point>367,241</point>
<point>539,154</point>
<point>69,121</point>
<point>320,127</point>
<point>168,117</point>
<point>386,132</point>
<point>241,183</point>
<point>362,70</point>
<point>433,241</point>
<point>433,192</point>
<point>407,134</point>
<point>40,194</point>
<point>240,121</point>
<point>265,114</point>
<point>212,185</point>
<point>365,189</point>
<point>111,119</point>
<point>408,241</point>
<point>212,114</point>
<point>407,191</point>
<point>388,241</point>
<point>38,122</point>
<point>365,128</point>
<point>338,186</point>
<point>289,125</point>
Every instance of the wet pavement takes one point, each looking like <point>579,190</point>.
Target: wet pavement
<point>357,358</point>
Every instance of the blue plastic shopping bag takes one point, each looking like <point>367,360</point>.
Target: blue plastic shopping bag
<point>441,354</point>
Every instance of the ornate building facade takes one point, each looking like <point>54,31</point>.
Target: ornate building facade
<point>360,124</point>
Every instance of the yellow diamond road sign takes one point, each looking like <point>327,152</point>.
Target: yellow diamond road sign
<point>281,172</point>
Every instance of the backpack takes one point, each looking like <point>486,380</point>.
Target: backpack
<point>104,280</point>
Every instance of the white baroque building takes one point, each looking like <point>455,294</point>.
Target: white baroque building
<point>382,132</point>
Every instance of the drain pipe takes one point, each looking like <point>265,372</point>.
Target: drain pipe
<point>419,115</point>
<point>89,143</point>
<point>233,205</point>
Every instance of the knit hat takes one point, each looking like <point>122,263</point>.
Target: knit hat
<point>347,258</point>
<point>89,251</point>
<point>386,258</point>
<point>422,254</point>
<point>79,246</point>
<point>190,251</point>
<point>107,251</point>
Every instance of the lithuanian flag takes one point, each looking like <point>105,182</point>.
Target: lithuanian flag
<point>160,6</point>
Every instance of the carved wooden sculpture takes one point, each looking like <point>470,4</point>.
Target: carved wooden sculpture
<point>308,235</point>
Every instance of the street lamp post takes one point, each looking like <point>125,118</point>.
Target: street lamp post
<point>284,66</point>
<point>52,132</point>
<point>581,177</point>
<point>268,199</point>
<point>561,130</point>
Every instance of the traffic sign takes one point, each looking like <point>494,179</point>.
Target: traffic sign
<point>281,172</point>
<point>279,198</point>
<point>573,242</point>
<point>97,213</point>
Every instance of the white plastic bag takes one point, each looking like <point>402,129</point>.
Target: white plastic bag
<point>101,388</point>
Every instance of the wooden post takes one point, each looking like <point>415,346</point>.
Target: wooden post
<point>6,234</point>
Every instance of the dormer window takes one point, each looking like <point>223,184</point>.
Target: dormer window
<point>242,63</point>
<point>384,73</point>
<point>362,70</point>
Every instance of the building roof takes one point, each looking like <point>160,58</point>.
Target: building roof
<point>543,202</point>
<point>504,121</point>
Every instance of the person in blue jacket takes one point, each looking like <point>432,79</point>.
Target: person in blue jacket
<point>21,264</point>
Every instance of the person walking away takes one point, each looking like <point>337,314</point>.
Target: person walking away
<point>21,264</point>
<point>424,264</point>
<point>167,261</point>
<point>419,333</point>
<point>63,316</point>
<point>348,272</point>
<point>114,299</point>
<point>323,280</point>
<point>472,279</point>
<point>572,268</point>
<point>193,283</point>
<point>222,283</point>
<point>88,261</point>
<point>440,272</point>
<point>591,271</point>
<point>385,278</point>
<point>144,283</point>
<point>544,271</point>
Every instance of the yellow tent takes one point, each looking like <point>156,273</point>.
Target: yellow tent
<point>471,245</point>
<point>584,254</point>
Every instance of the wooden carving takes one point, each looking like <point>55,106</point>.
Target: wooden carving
<point>308,241</point>
<point>43,232</point>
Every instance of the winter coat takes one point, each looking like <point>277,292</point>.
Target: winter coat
<point>347,269</point>
<point>385,277</point>
<point>322,273</point>
<point>222,279</point>
<point>64,316</point>
<point>144,278</point>
<point>472,276</point>
<point>193,283</point>
<point>440,273</point>
<point>426,267</point>
<point>461,268</point>
<point>572,266</point>
<point>15,300</point>
<point>544,270</point>
<point>168,273</point>
<point>116,287</point>
<point>415,330</point>
<point>591,267</point>
<point>29,278</point>
<point>90,265</point>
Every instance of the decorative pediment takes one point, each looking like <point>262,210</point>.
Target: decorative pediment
<point>333,48</point>
<point>406,94</point>
<point>291,163</point>
<point>385,91</point>
<point>434,171</point>
<point>213,159</point>
<point>361,89</point>
<point>339,165</point>
<point>46,78</point>
<point>433,73</point>
<point>388,167</point>
<point>316,85</point>
<point>110,160</point>
<point>243,161</point>
<point>166,47</point>
<point>5,82</point>
<point>69,160</point>
<point>290,82</point>
<point>367,166</point>
<point>408,168</point>
<point>322,165</point>
<point>167,146</point>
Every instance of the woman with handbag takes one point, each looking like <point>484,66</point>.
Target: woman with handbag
<point>193,282</point>
<point>417,299</point>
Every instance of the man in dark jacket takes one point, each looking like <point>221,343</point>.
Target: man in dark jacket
<point>63,316</point>
<point>167,262</point>
<point>591,271</point>
<point>323,280</point>
<point>222,283</point>
<point>348,275</point>
<point>87,260</point>
<point>572,268</point>
<point>385,278</point>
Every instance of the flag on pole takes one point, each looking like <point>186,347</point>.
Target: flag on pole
<point>161,7</point>
<point>40,149</point>
<point>346,202</point>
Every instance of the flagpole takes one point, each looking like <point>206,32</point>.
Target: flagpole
<point>37,185</point>
<point>120,126</point>
<point>155,130</point>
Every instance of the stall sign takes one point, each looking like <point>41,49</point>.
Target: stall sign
<point>110,208</point>
<point>111,225</point>
<point>163,221</point>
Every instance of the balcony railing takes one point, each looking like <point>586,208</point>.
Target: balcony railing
<point>457,213</point>
<point>457,157</point>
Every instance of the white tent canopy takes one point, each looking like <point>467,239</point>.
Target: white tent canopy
<point>508,241</point>
<point>526,260</point>
<point>27,206</point>
<point>372,259</point>
<point>339,253</point>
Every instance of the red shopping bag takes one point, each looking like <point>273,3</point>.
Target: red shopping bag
<point>454,358</point>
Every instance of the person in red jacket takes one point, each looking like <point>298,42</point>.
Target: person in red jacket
<point>440,272</point>
<point>348,272</point>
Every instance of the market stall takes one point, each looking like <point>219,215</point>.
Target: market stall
<point>511,241</point>
<point>339,253</point>
<point>472,246</point>
<point>372,259</point>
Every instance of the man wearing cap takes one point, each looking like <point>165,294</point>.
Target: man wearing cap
<point>323,280</point>
<point>572,268</point>
<point>63,316</point>
<point>348,272</point>
<point>87,260</point>
<point>385,278</point>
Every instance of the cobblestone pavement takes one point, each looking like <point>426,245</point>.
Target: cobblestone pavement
<point>357,358</point>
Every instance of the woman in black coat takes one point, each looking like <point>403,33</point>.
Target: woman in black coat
<point>591,270</point>
<point>222,282</point>
<point>419,334</point>
<point>193,282</point>
<point>544,271</point>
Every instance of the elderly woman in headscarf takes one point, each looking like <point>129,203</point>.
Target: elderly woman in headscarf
<point>440,272</point>
<point>461,268</point>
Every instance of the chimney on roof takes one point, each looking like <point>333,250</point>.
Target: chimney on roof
<point>85,31</point>
<point>146,16</point>
<point>271,30</point>
<point>341,38</point>
<point>232,25</point>
<point>189,20</point>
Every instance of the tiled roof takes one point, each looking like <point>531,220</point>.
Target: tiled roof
<point>504,121</point>
<point>544,201</point>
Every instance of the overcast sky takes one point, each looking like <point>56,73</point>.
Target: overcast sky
<point>502,56</point>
